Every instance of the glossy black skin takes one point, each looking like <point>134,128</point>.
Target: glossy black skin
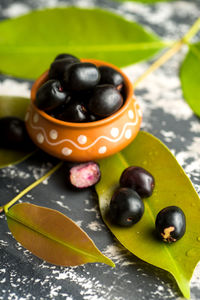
<point>105,101</point>
<point>171,219</point>
<point>92,118</point>
<point>51,95</point>
<point>75,112</point>
<point>81,76</point>
<point>126,207</point>
<point>139,180</point>
<point>111,76</point>
<point>59,67</point>
<point>66,55</point>
<point>14,135</point>
<point>57,111</point>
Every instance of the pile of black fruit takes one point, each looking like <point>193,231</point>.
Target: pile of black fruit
<point>80,91</point>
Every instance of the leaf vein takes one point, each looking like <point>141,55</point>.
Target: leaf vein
<point>49,237</point>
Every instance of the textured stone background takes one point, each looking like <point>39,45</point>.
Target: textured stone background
<point>166,115</point>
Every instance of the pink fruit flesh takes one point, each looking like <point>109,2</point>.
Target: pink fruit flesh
<point>85,175</point>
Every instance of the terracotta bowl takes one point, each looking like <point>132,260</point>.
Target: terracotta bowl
<point>84,141</point>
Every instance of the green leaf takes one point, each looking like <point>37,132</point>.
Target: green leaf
<point>172,187</point>
<point>190,77</point>
<point>52,236</point>
<point>29,44</point>
<point>12,106</point>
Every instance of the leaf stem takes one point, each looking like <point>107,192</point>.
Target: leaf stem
<point>192,31</point>
<point>30,187</point>
<point>170,52</point>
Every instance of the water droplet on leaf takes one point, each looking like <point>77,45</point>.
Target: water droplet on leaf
<point>192,252</point>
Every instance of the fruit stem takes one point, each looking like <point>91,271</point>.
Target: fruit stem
<point>30,187</point>
<point>170,52</point>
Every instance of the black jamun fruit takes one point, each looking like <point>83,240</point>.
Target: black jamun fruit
<point>66,55</point>
<point>126,207</point>
<point>59,67</point>
<point>81,76</point>
<point>105,101</point>
<point>51,95</point>
<point>92,118</point>
<point>111,76</point>
<point>74,112</point>
<point>84,175</point>
<point>170,224</point>
<point>139,180</point>
<point>14,135</point>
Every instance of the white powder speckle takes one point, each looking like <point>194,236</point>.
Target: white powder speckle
<point>9,87</point>
<point>61,204</point>
<point>95,226</point>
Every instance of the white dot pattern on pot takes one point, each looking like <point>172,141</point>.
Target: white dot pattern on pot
<point>128,134</point>
<point>102,150</point>
<point>82,139</point>
<point>53,134</point>
<point>130,114</point>
<point>68,145</point>
<point>40,138</point>
<point>66,151</point>
<point>114,132</point>
<point>35,118</point>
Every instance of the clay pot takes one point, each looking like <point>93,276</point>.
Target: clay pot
<point>84,141</point>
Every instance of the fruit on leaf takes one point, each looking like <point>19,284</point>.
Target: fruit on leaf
<point>13,134</point>
<point>105,101</point>
<point>126,207</point>
<point>81,76</point>
<point>111,76</point>
<point>51,95</point>
<point>170,224</point>
<point>139,180</point>
<point>84,175</point>
<point>75,112</point>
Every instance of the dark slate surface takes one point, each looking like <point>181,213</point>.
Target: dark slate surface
<point>166,115</point>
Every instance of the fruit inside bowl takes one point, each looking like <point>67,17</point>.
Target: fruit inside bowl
<point>82,110</point>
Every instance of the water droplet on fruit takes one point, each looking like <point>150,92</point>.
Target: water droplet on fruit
<point>192,252</point>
